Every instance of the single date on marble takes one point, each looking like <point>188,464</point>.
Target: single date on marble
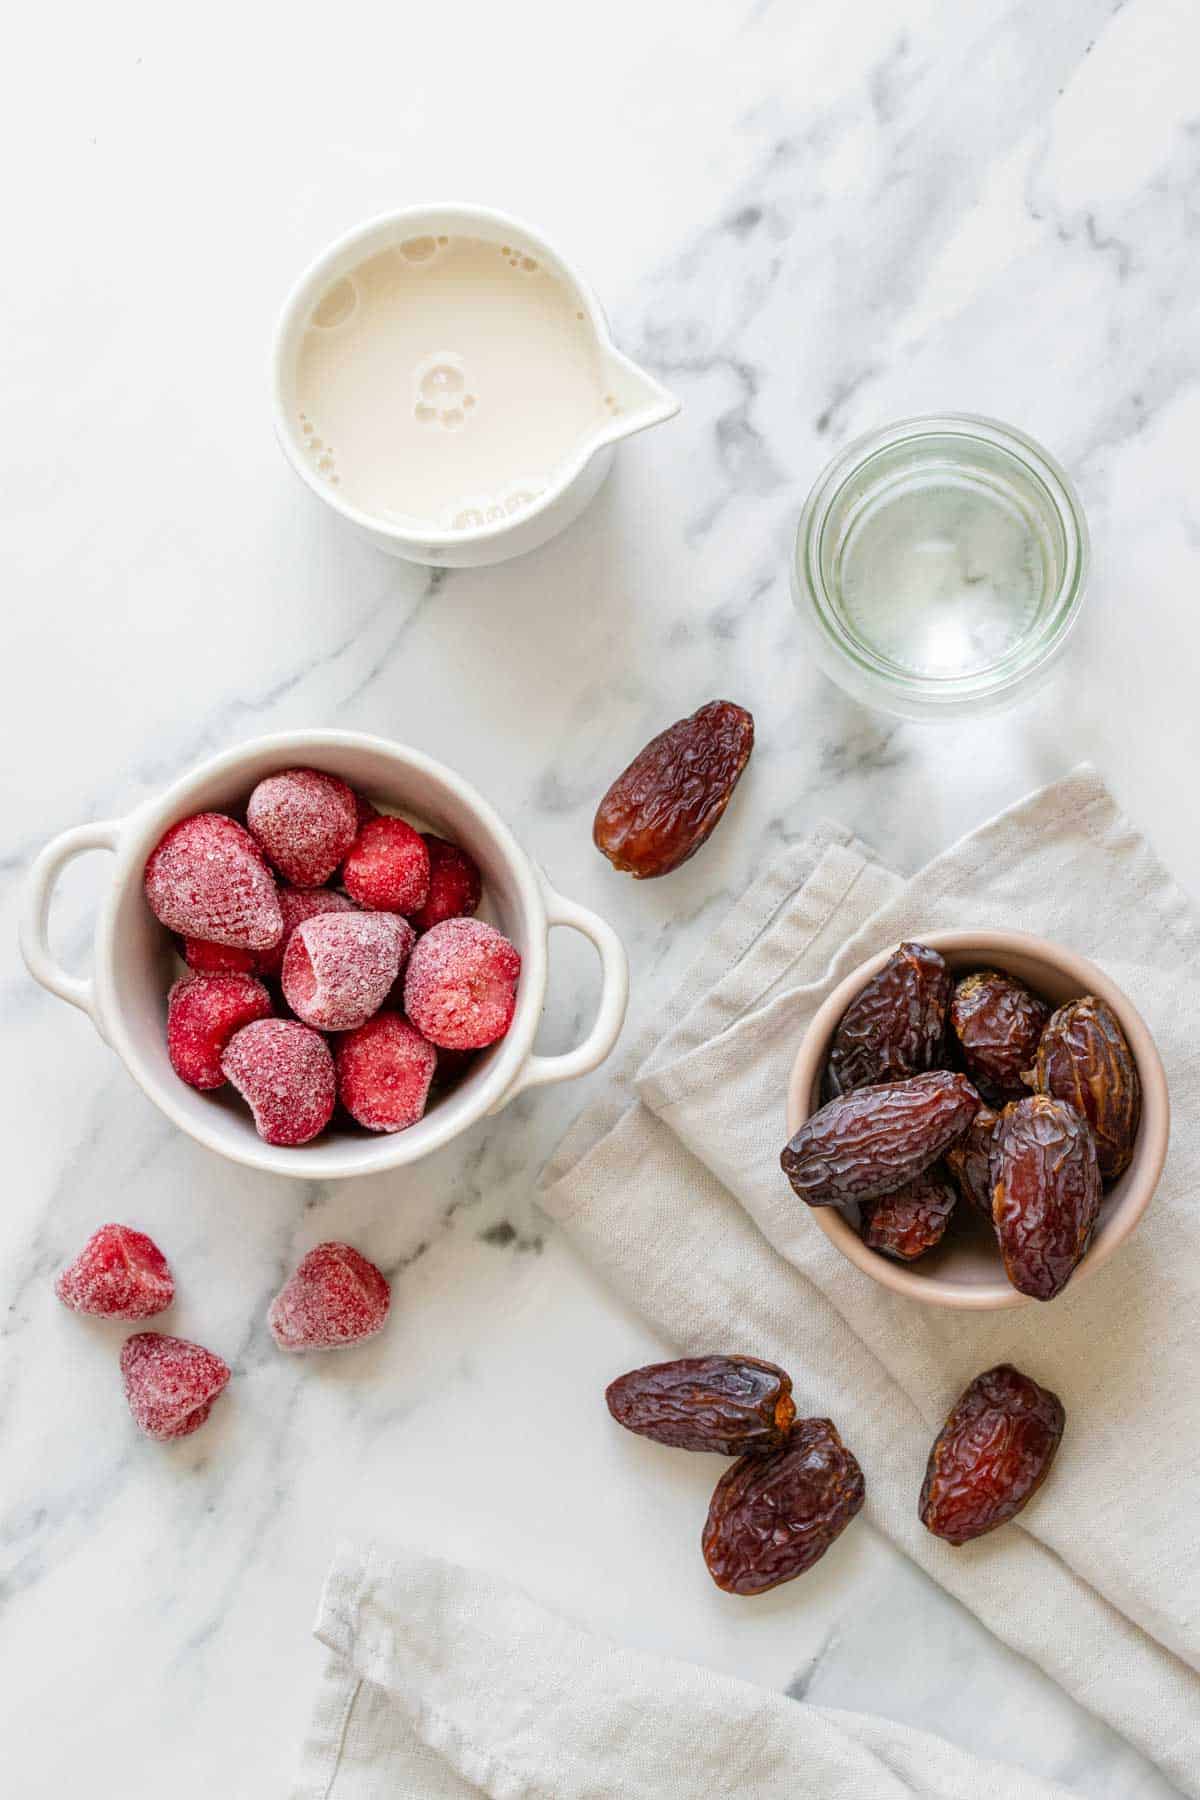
<point>670,799</point>
<point>896,1026</point>
<point>1084,1058</point>
<point>1045,1192</point>
<point>728,1404</point>
<point>991,1456</point>
<point>772,1517</point>
<point>872,1141</point>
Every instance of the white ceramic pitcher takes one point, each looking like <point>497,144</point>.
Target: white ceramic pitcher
<point>640,401</point>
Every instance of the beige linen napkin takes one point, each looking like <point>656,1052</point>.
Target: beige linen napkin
<point>671,1187</point>
<point>442,1683</point>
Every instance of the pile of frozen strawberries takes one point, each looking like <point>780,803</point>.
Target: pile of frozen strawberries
<point>302,994</point>
<point>333,1299</point>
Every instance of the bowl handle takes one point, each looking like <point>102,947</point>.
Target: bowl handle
<point>614,998</point>
<point>35,912</point>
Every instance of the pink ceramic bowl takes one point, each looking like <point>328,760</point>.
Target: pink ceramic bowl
<point>966,1271</point>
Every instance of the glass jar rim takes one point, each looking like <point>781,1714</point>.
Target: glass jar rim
<point>936,693</point>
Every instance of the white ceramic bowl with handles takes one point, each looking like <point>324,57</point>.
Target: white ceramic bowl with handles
<point>134,959</point>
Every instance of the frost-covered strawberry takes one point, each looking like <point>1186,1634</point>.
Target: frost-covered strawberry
<point>304,822</point>
<point>384,1072</point>
<point>455,886</point>
<point>206,878</point>
<point>203,1012</point>
<point>170,1384</point>
<point>336,1297</point>
<point>119,1274</point>
<point>387,869</point>
<point>460,988</point>
<point>284,1072</point>
<point>338,969</point>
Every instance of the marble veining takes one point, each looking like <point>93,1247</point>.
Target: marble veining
<point>806,221</point>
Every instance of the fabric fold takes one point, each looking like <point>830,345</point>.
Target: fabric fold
<point>443,1682</point>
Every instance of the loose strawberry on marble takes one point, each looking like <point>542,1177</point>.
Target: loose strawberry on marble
<point>206,878</point>
<point>387,869</point>
<point>170,1384</point>
<point>334,1298</point>
<point>339,968</point>
<point>284,1071</point>
<point>119,1274</point>
<point>203,1012</point>
<point>304,821</point>
<point>455,885</point>
<point>384,1072</point>
<point>460,989</point>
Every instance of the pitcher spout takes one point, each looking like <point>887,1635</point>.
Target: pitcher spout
<point>634,398</point>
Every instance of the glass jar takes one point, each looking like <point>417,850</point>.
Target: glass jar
<point>940,565</point>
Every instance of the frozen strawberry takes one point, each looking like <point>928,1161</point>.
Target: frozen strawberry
<point>363,810</point>
<point>304,822</point>
<point>296,905</point>
<point>454,884</point>
<point>206,878</point>
<point>336,1297</point>
<point>460,990</point>
<point>339,968</point>
<point>119,1274</point>
<point>170,1384</point>
<point>284,1072</point>
<point>384,1070</point>
<point>388,868</point>
<point>203,1012</point>
<point>221,959</point>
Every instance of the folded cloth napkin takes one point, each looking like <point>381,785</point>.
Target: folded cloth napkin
<point>442,1683</point>
<point>671,1187</point>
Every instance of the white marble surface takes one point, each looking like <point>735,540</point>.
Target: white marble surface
<point>809,219</point>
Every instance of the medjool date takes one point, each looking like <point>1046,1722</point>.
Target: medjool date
<point>1084,1058</point>
<point>1045,1192</point>
<point>991,1456</point>
<point>997,1023</point>
<point>969,1161</point>
<point>730,1404</point>
<point>896,1026</point>
<point>912,1220</point>
<point>872,1141</point>
<point>670,799</point>
<point>772,1517</point>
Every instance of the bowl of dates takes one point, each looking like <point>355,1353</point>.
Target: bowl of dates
<point>976,1119</point>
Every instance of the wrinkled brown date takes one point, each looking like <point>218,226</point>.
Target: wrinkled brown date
<point>997,1023</point>
<point>772,1517</point>
<point>991,1456</point>
<point>1084,1058</point>
<point>871,1142</point>
<point>970,1161</point>
<point>729,1404</point>
<point>896,1026</point>
<point>1045,1192</point>
<point>671,797</point>
<point>912,1220</point>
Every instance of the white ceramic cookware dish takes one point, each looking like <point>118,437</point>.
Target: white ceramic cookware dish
<point>134,960</point>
